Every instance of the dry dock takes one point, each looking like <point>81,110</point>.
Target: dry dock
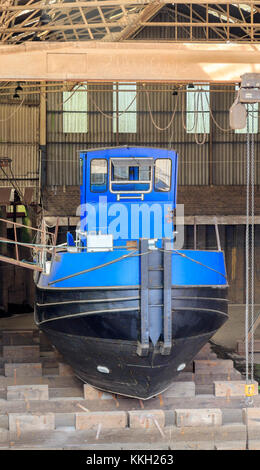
<point>44,406</point>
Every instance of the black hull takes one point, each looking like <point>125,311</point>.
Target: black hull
<point>99,329</point>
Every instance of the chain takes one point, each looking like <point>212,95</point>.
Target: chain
<point>247,245</point>
<point>249,253</point>
<point>252,247</point>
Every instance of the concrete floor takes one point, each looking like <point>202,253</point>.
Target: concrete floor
<point>227,336</point>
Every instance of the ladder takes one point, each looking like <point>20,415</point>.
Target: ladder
<point>155,298</point>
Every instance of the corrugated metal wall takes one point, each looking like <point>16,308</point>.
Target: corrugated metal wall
<point>220,160</point>
<point>19,141</point>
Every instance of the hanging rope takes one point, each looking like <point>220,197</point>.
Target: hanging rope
<point>13,113</point>
<point>151,114</point>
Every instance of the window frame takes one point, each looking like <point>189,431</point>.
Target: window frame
<point>67,113</point>
<point>150,182</point>
<point>106,178</point>
<point>170,187</point>
<point>116,94</point>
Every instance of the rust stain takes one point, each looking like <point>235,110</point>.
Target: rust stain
<point>141,404</point>
<point>161,400</point>
<point>116,400</point>
<point>18,429</point>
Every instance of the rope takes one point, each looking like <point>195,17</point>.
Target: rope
<point>13,113</point>
<point>113,112</point>
<point>151,114</point>
<point>195,261</point>
<point>92,269</point>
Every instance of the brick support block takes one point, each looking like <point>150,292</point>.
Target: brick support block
<point>232,388</point>
<point>65,369</point>
<point>213,366</point>
<point>106,419</point>
<point>179,390</point>
<point>20,337</point>
<point>21,354</point>
<point>198,417</point>
<point>251,416</point>
<point>33,369</point>
<point>27,392</point>
<point>146,419</point>
<point>31,422</point>
<point>91,393</point>
<point>241,347</point>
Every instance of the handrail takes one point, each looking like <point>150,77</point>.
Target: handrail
<point>25,226</point>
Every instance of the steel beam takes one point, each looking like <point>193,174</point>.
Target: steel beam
<point>136,61</point>
<point>110,3</point>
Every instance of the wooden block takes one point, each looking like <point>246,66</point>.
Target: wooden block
<point>205,353</point>
<point>231,434</point>
<point>33,369</point>
<point>4,436</point>
<point>104,419</point>
<point>198,417</point>
<point>216,366</point>
<point>21,354</point>
<point>206,378</point>
<point>20,337</point>
<point>251,416</point>
<point>241,348</point>
<point>91,393</point>
<point>231,445</point>
<point>19,422</point>
<point>65,369</point>
<point>184,376</point>
<point>27,392</point>
<point>251,419</point>
<point>231,388</point>
<point>179,390</point>
<point>65,392</point>
<point>64,419</point>
<point>146,419</point>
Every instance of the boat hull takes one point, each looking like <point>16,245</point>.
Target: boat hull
<point>98,330</point>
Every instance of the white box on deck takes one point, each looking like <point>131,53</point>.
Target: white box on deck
<point>99,242</point>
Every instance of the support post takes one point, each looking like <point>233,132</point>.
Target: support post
<point>143,346</point>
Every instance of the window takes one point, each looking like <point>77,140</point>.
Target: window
<point>131,175</point>
<point>162,175</point>
<point>124,103</point>
<point>197,109</point>
<point>81,171</point>
<point>98,175</point>
<point>75,110</point>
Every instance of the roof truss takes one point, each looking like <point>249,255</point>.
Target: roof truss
<point>119,20</point>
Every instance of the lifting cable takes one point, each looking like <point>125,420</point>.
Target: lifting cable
<point>249,261</point>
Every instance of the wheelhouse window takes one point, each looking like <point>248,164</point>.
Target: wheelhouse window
<point>98,175</point>
<point>81,171</point>
<point>162,174</point>
<point>131,175</point>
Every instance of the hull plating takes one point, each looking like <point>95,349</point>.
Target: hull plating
<point>97,332</point>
